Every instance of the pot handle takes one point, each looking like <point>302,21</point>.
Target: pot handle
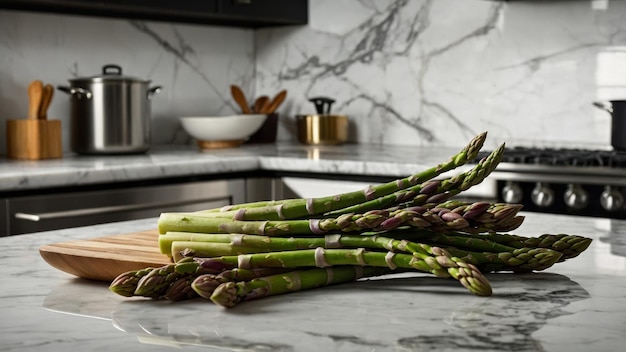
<point>152,91</point>
<point>79,92</point>
<point>604,105</point>
<point>116,68</point>
<point>322,104</point>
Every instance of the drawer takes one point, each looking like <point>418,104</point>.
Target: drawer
<point>70,209</point>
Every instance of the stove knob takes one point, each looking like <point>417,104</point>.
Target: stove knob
<point>611,199</point>
<point>512,192</point>
<point>576,197</point>
<point>542,195</point>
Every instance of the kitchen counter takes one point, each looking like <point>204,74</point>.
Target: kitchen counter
<point>578,305</point>
<point>183,161</point>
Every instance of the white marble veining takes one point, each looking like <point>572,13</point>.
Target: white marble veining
<point>424,72</point>
<point>578,305</point>
<point>182,161</point>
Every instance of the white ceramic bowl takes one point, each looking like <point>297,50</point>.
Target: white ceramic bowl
<point>222,128</point>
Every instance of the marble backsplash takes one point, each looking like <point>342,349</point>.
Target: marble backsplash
<point>407,72</point>
<point>194,64</point>
<point>420,72</point>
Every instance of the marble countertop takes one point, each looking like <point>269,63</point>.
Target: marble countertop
<point>181,161</point>
<point>578,305</point>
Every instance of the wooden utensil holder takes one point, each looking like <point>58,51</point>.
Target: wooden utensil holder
<point>34,139</point>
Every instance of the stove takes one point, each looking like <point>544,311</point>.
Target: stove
<point>563,181</point>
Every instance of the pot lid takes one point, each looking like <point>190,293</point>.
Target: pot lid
<point>110,73</point>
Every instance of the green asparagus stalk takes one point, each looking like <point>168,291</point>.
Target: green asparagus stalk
<point>480,217</point>
<point>204,285</point>
<point>183,249</point>
<point>517,260</point>
<point>569,245</point>
<point>230,294</point>
<point>455,239</point>
<point>301,208</point>
<point>442,266</point>
<point>200,246</point>
<point>434,191</point>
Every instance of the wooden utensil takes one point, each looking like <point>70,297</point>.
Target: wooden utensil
<point>260,103</point>
<point>275,103</point>
<point>240,99</point>
<point>46,99</point>
<point>35,91</point>
<point>104,258</point>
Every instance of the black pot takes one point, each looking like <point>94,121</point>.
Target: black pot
<point>617,109</point>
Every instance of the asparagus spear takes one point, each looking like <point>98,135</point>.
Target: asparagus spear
<point>230,294</point>
<point>480,218</point>
<point>569,245</point>
<point>518,260</point>
<point>300,208</point>
<point>204,285</point>
<point>442,266</point>
<point>434,191</point>
<point>201,246</point>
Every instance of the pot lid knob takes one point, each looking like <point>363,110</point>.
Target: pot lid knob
<point>322,104</point>
<point>111,70</point>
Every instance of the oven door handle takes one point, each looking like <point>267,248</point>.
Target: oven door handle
<point>103,210</point>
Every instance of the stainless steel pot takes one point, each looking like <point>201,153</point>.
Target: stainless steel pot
<point>110,113</point>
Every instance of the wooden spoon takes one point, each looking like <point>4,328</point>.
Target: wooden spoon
<point>46,99</point>
<point>275,103</point>
<point>240,99</point>
<point>260,103</point>
<point>35,91</point>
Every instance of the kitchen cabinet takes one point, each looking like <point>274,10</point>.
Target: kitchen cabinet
<point>238,13</point>
<point>57,210</point>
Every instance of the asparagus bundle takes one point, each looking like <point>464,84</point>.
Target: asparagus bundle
<point>253,250</point>
<point>483,253</point>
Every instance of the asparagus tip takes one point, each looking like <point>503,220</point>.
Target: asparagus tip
<point>205,285</point>
<point>226,295</point>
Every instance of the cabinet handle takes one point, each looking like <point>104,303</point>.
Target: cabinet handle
<point>103,210</point>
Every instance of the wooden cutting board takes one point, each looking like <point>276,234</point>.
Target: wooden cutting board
<point>104,258</point>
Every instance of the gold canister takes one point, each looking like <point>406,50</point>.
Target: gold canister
<point>322,129</point>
